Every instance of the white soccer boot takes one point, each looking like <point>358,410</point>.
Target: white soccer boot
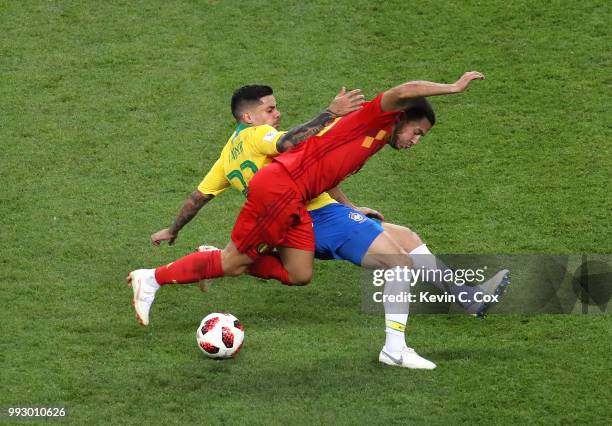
<point>406,358</point>
<point>205,284</point>
<point>496,286</point>
<point>144,287</point>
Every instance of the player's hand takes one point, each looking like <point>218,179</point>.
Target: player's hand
<point>371,213</point>
<point>462,84</point>
<point>346,102</point>
<point>163,235</point>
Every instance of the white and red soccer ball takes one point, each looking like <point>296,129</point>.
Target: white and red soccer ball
<point>220,335</point>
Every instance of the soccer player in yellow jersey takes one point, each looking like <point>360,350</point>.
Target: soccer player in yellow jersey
<point>342,231</point>
<point>252,145</point>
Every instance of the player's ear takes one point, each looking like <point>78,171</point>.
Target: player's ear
<point>246,118</point>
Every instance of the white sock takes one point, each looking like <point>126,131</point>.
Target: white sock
<point>423,258</point>
<point>396,313</point>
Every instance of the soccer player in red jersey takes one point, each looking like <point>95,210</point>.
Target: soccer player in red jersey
<point>275,211</point>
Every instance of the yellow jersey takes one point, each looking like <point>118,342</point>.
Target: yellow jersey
<point>248,149</point>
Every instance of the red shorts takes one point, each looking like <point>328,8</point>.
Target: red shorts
<point>274,215</point>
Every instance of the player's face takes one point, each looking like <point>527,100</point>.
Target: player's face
<point>408,133</point>
<point>265,113</point>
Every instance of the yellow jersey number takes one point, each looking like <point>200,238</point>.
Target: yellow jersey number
<point>237,174</point>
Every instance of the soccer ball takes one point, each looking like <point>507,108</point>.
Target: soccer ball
<point>220,335</point>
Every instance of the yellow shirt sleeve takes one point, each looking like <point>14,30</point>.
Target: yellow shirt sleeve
<point>264,139</point>
<point>215,181</point>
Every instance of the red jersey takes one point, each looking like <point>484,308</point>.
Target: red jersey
<point>322,161</point>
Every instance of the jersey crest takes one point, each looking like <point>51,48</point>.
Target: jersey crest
<point>357,217</point>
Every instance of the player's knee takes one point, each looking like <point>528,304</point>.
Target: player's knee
<point>416,240</point>
<point>300,278</point>
<point>410,240</point>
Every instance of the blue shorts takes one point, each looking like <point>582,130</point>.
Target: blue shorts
<point>343,233</point>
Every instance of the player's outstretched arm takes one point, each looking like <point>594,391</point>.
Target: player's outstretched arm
<point>400,96</point>
<point>337,194</point>
<point>190,209</point>
<point>344,103</point>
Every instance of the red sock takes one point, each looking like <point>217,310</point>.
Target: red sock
<point>269,266</point>
<point>191,268</point>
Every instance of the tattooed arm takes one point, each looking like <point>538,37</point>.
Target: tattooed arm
<point>303,132</point>
<point>190,209</point>
<point>342,104</point>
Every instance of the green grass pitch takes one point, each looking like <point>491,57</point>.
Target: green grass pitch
<point>112,111</point>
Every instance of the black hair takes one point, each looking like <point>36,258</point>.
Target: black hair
<point>246,96</point>
<point>420,108</point>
